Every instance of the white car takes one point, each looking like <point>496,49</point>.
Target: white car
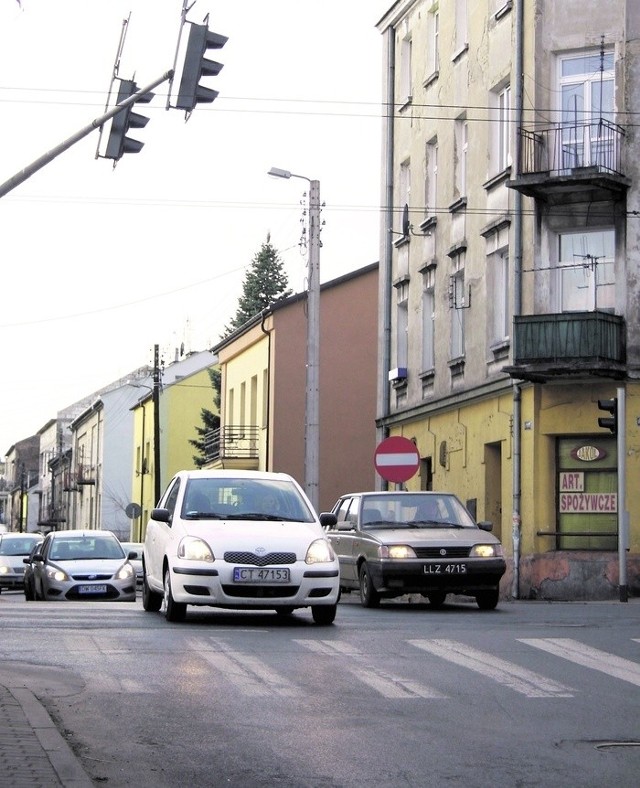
<point>241,540</point>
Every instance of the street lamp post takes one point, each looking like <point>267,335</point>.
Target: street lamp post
<point>312,402</point>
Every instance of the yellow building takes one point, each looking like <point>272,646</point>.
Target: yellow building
<point>508,276</point>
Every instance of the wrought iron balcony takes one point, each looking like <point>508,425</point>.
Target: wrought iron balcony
<point>565,160</point>
<point>236,443</point>
<point>570,344</point>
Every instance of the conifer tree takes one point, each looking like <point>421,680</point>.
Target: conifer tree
<point>210,420</point>
<point>265,283</point>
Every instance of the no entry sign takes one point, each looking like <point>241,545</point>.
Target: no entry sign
<point>397,459</point>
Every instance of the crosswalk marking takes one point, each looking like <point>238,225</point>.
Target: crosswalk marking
<point>250,675</point>
<point>528,683</point>
<point>588,657</point>
<point>387,684</point>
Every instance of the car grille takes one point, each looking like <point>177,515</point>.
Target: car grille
<point>259,560</point>
<point>261,592</point>
<point>91,576</point>
<point>442,552</point>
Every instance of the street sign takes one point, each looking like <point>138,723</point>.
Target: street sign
<point>397,459</point>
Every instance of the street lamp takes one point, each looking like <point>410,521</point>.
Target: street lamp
<point>312,403</point>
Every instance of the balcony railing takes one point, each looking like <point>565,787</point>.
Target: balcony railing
<point>587,153</point>
<point>232,443</point>
<point>570,343</point>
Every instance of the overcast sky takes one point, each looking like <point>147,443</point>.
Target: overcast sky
<point>99,264</point>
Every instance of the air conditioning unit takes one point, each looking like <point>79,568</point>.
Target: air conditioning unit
<point>398,375</point>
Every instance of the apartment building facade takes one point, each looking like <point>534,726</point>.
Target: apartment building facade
<point>509,283</point>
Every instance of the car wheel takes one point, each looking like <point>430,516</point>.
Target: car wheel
<point>369,597</point>
<point>28,593</point>
<point>173,611</point>
<point>436,599</point>
<point>487,600</point>
<point>285,610</point>
<point>151,600</point>
<point>324,614</point>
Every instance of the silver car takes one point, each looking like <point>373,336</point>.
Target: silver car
<point>13,549</point>
<point>81,565</point>
<point>395,543</point>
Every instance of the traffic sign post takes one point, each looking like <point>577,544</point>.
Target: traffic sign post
<point>397,459</point>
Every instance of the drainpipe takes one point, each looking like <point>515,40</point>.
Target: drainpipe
<point>385,270</point>
<point>517,305</point>
<point>268,392</point>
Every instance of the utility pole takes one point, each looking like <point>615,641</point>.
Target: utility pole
<point>156,424</point>
<point>312,437</point>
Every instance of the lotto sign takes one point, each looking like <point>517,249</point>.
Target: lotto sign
<point>397,459</point>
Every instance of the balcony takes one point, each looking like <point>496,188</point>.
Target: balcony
<point>570,344</point>
<point>572,162</point>
<point>233,447</point>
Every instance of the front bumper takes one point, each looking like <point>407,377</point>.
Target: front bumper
<point>397,577</point>
<point>213,584</point>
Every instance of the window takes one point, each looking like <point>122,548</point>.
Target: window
<point>428,319</point>
<point>457,304</point>
<point>461,141</point>
<point>461,27</point>
<point>404,192</point>
<point>405,70</point>
<point>431,185</point>
<point>498,270</point>
<point>586,277</point>
<point>402,324</point>
<point>433,34</point>
<point>586,93</point>
<point>500,153</point>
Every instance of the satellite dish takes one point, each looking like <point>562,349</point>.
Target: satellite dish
<point>133,511</point>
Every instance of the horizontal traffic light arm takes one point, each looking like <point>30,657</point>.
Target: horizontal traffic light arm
<point>38,164</point>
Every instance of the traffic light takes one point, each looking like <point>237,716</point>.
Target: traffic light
<point>609,422</point>
<point>196,66</point>
<point>118,142</point>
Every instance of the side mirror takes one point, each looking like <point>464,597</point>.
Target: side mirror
<point>485,525</point>
<point>161,515</point>
<point>328,519</point>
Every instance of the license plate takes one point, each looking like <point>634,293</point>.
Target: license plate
<point>256,574</point>
<point>445,569</point>
<point>92,589</point>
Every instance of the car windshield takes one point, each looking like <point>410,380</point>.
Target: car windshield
<point>414,510</point>
<point>17,545</point>
<point>244,499</point>
<point>85,547</point>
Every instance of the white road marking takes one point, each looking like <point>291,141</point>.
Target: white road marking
<point>250,675</point>
<point>522,680</point>
<point>387,684</point>
<point>588,657</point>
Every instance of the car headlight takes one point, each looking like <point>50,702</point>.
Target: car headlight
<point>125,572</point>
<point>4,570</point>
<point>191,548</point>
<point>486,551</point>
<point>319,552</point>
<point>54,573</point>
<point>397,551</point>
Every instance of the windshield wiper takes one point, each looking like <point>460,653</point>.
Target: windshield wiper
<point>436,524</point>
<point>203,516</point>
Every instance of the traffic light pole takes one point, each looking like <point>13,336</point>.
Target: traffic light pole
<point>623,517</point>
<point>38,164</point>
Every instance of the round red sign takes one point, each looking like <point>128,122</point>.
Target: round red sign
<point>397,459</point>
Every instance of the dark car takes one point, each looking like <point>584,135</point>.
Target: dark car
<point>395,543</point>
<point>13,548</point>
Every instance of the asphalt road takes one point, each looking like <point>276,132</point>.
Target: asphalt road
<point>532,694</point>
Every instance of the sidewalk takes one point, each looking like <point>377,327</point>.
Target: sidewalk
<point>33,754</point>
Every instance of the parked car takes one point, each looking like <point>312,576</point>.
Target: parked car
<point>133,550</point>
<point>239,540</point>
<point>82,564</point>
<point>395,543</point>
<point>13,548</point>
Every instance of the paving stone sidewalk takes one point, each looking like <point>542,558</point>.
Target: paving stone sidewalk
<point>33,753</point>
